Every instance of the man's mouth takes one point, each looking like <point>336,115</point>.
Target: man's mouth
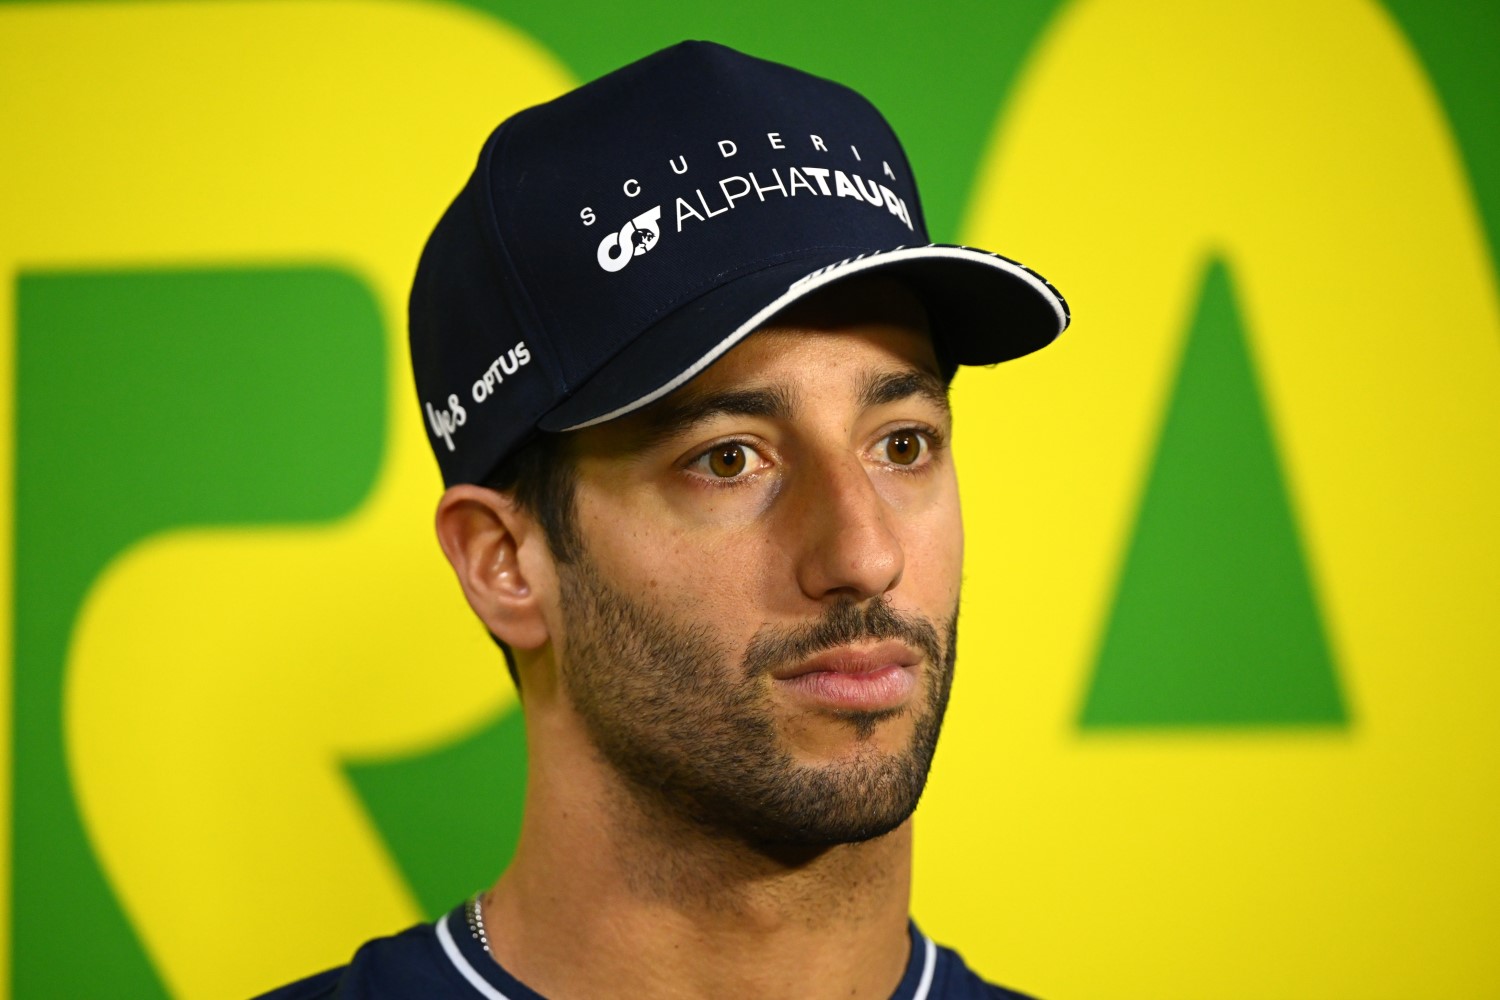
<point>855,678</point>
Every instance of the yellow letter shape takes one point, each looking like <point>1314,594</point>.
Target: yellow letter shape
<point>218,677</point>
<point>1303,144</point>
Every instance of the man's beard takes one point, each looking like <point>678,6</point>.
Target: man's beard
<point>694,733</point>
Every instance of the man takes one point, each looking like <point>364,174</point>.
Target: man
<point>683,351</point>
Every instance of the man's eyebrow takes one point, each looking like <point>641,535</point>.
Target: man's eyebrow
<point>670,419</point>
<point>893,387</point>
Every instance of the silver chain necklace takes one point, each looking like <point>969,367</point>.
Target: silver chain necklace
<point>475,913</point>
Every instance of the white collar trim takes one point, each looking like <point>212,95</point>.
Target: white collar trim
<point>929,965</point>
<point>450,948</point>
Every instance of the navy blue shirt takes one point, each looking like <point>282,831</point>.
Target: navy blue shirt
<point>444,961</point>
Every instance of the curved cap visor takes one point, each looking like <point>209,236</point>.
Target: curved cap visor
<point>983,309</point>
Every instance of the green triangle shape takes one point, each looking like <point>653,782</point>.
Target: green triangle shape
<point>1215,622</point>
<point>450,816</point>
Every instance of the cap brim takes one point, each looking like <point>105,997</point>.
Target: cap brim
<point>983,309</point>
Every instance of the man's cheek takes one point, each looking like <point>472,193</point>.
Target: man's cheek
<point>933,553</point>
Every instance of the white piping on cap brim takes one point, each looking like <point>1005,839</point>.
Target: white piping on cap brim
<point>818,279</point>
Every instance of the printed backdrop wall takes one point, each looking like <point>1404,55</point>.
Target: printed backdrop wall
<point>1225,719</point>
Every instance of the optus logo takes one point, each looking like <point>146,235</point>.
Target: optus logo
<point>636,237</point>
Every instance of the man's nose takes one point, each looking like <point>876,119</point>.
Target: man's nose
<point>850,549</point>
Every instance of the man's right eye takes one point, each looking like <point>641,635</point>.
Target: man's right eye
<point>727,461</point>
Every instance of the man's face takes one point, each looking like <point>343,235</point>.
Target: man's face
<point>759,632</point>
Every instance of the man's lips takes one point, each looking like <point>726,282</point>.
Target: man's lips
<point>852,660</point>
<point>855,678</point>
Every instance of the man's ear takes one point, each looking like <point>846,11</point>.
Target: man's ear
<point>483,533</point>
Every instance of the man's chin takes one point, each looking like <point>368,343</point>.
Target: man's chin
<point>827,833</point>
<point>857,797</point>
<point>833,737</point>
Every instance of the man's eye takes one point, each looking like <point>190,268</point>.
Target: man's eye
<point>903,447</point>
<point>728,461</point>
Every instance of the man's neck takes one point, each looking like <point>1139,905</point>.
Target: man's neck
<point>662,908</point>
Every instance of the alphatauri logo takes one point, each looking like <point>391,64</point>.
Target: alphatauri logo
<point>636,237</point>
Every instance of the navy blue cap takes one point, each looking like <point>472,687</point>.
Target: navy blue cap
<point>614,242</point>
